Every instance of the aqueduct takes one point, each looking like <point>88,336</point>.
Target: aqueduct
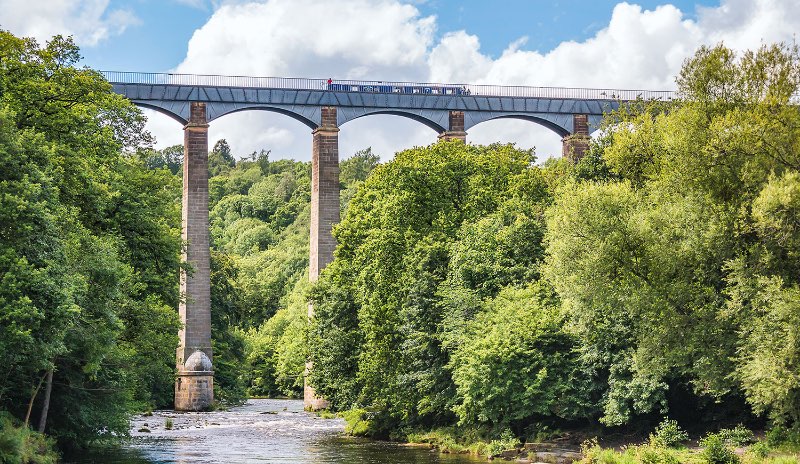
<point>324,106</point>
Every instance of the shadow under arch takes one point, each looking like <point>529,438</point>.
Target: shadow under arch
<point>271,109</point>
<point>542,122</point>
<point>163,111</point>
<point>415,117</point>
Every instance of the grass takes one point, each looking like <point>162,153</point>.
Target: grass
<point>325,414</point>
<point>467,441</point>
<point>650,454</point>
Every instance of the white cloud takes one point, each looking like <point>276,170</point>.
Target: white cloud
<point>388,39</point>
<point>306,38</point>
<point>89,21</point>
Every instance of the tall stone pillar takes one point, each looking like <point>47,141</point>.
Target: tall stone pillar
<point>575,145</point>
<point>455,129</point>
<point>194,386</point>
<point>324,214</point>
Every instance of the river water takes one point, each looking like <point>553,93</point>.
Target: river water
<point>261,431</point>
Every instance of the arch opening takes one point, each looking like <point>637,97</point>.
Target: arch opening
<point>271,109</point>
<point>385,133</point>
<point>560,131</point>
<point>252,131</point>
<point>415,117</point>
<point>546,142</point>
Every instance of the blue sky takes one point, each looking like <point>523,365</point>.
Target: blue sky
<point>639,44</point>
<point>158,42</point>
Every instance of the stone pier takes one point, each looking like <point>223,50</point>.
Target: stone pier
<point>324,213</point>
<point>194,386</point>
<point>576,145</point>
<point>455,129</point>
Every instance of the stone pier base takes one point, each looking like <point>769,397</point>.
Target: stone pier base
<point>194,392</point>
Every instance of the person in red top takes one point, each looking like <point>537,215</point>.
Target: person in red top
<point>330,81</point>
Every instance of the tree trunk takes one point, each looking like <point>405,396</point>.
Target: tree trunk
<point>33,398</point>
<point>46,405</point>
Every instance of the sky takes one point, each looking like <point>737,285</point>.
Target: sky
<point>578,43</point>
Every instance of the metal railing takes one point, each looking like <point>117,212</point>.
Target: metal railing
<point>292,83</point>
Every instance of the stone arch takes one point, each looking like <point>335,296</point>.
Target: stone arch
<point>434,120</point>
<point>218,110</point>
<point>555,126</point>
<point>159,109</point>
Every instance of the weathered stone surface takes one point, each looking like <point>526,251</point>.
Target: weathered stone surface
<point>324,214</point>
<point>455,130</point>
<point>575,146</point>
<point>195,392</point>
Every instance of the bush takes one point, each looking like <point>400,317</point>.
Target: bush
<point>506,441</point>
<point>759,450</point>
<point>781,436</point>
<point>498,381</point>
<point>717,451</point>
<point>362,423</point>
<point>668,434</point>
<point>651,454</point>
<point>645,454</point>
<point>738,436</point>
<point>19,444</point>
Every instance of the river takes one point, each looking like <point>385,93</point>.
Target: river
<point>260,431</point>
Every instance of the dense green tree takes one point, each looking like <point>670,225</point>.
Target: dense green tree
<point>412,236</point>
<point>220,158</point>
<point>89,250</point>
<point>170,158</point>
<point>516,363</point>
<point>676,264</point>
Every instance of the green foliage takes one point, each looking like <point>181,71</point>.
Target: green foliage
<point>678,263</point>
<point>514,362</point>
<point>668,434</point>
<point>169,158</point>
<point>780,436</point>
<point>359,423</point>
<point>357,167</point>
<point>259,224</point>
<point>717,451</point>
<point>20,445</point>
<point>737,436</point>
<point>435,223</point>
<point>276,351</point>
<point>227,343</point>
<point>759,450</point>
<point>649,454</point>
<point>220,158</point>
<point>507,441</point>
<point>89,250</point>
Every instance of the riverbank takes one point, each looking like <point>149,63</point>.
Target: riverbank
<point>667,444</point>
<point>728,446</point>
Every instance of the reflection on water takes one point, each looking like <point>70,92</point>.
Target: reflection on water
<point>261,431</point>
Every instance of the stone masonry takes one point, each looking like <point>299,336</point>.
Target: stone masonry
<point>194,389</point>
<point>324,213</point>
<point>456,127</point>
<point>575,145</point>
